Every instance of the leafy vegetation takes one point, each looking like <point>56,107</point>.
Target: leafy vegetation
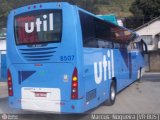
<point>134,12</point>
<point>143,11</point>
<point>118,7</point>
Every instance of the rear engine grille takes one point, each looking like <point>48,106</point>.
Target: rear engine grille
<point>38,54</point>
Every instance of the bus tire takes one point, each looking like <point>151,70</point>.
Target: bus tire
<point>112,94</point>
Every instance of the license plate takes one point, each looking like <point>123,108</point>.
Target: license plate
<point>40,94</point>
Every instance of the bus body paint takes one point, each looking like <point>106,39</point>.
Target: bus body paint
<point>43,53</point>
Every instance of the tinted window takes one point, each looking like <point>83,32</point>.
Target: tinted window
<point>38,27</point>
<point>95,32</point>
<point>88,30</point>
<point>117,45</point>
<point>135,46</point>
<point>102,29</point>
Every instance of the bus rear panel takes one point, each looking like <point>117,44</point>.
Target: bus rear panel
<point>43,68</point>
<point>61,58</point>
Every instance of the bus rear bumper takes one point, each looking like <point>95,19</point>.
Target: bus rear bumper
<point>46,106</point>
<point>38,105</point>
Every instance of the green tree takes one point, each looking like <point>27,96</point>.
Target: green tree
<point>89,5</point>
<point>146,8</point>
<point>143,11</point>
<point>5,7</point>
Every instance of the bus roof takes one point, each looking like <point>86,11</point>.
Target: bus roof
<point>119,30</point>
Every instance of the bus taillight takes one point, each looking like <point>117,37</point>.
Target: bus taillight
<point>74,90</point>
<point>10,86</point>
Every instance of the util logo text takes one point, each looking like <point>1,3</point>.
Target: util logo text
<point>39,23</point>
<point>103,70</point>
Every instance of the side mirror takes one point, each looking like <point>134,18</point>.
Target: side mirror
<point>144,47</point>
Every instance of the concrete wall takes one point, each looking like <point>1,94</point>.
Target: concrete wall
<point>146,59</point>
<point>154,58</point>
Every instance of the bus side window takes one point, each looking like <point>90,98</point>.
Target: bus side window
<point>108,44</point>
<point>123,46</point>
<point>88,30</point>
<point>116,46</point>
<point>102,30</point>
<point>90,42</point>
<point>95,32</point>
<point>133,46</point>
<point>104,44</point>
<point>140,46</point>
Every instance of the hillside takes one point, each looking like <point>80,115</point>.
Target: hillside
<point>118,7</point>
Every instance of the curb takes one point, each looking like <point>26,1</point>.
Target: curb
<point>148,73</point>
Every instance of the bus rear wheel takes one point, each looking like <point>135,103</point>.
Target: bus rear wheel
<point>112,95</point>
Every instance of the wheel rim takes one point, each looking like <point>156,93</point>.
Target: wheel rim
<point>113,94</point>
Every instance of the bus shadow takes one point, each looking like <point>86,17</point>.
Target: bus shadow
<point>54,116</point>
<point>150,80</point>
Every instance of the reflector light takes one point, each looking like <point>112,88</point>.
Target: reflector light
<point>37,65</point>
<point>74,84</point>
<point>75,78</point>
<point>74,89</point>
<point>9,83</point>
<point>10,87</point>
<point>73,96</point>
<point>34,6</point>
<point>9,78</point>
<point>10,93</point>
<point>29,7</point>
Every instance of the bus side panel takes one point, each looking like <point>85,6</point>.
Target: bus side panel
<point>121,68</point>
<point>137,63</point>
<point>75,106</point>
<point>97,75</point>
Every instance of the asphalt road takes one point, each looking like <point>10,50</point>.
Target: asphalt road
<point>139,97</point>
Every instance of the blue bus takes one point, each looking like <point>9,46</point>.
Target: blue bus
<point>61,58</point>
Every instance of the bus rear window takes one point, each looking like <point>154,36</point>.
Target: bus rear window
<point>38,27</point>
